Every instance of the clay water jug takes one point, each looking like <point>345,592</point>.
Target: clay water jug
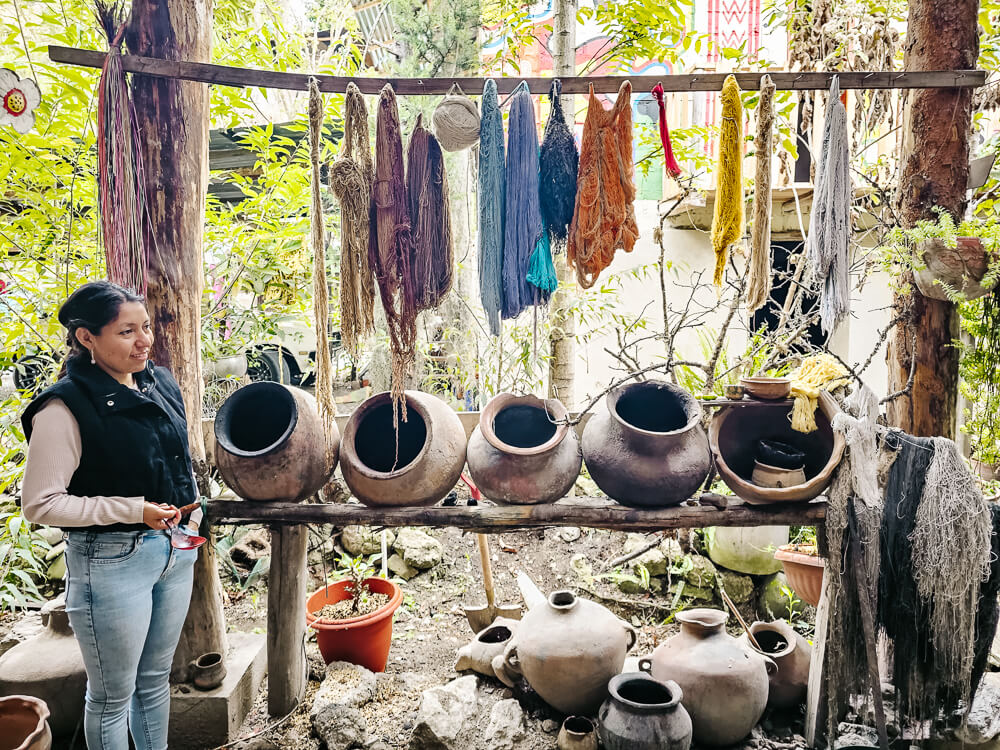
<point>49,666</point>
<point>792,655</point>
<point>642,713</point>
<point>568,649</point>
<point>646,447</point>
<point>416,464</point>
<point>23,724</point>
<point>577,733</point>
<point>524,451</point>
<point>725,685</point>
<point>269,443</point>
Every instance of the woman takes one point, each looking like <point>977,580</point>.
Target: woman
<point>108,461</point>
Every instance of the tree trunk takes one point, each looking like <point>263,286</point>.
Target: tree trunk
<point>562,336</point>
<point>173,142</point>
<point>937,126</point>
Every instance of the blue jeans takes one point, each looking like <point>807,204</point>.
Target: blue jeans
<point>127,596</point>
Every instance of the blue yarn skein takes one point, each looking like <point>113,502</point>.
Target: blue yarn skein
<point>491,206</point>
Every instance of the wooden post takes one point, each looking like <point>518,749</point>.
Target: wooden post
<point>937,125</point>
<point>173,143</point>
<point>286,619</point>
<point>816,690</point>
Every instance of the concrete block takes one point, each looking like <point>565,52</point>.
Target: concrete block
<point>206,719</point>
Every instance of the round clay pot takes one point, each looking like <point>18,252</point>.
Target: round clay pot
<point>736,431</point>
<point>642,713</point>
<point>568,649</point>
<point>804,573</point>
<point>208,671</point>
<point>23,724</point>
<point>767,389</point>
<point>646,448</point>
<point>577,733</point>
<point>361,640</point>
<point>487,646</point>
<point>49,666</point>
<point>792,654</point>
<point>725,685</point>
<point>774,476</point>
<point>231,366</point>
<point>426,466</point>
<point>524,451</point>
<point>961,267</point>
<point>748,550</point>
<point>269,443</point>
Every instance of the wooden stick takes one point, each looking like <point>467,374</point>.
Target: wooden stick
<point>227,75</point>
<point>739,618</point>
<point>286,619</point>
<point>484,558</point>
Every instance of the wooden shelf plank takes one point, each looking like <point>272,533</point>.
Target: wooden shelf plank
<point>598,513</point>
<point>225,75</point>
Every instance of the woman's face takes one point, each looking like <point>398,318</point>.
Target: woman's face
<point>122,346</point>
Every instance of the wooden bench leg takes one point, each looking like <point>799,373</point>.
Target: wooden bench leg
<point>816,695</point>
<point>286,619</point>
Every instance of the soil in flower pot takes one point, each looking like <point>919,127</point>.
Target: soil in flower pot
<point>364,639</point>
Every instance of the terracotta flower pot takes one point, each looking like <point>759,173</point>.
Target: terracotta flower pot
<point>804,573</point>
<point>23,724</point>
<point>961,267</point>
<point>363,640</point>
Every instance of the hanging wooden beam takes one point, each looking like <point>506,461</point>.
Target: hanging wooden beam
<point>225,75</point>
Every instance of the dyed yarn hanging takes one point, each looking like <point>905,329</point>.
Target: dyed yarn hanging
<point>427,187</point>
<point>669,160</point>
<point>522,216</point>
<point>820,371</point>
<point>604,217</point>
<point>559,163</point>
<point>492,184</point>
<point>759,281</point>
<point>830,221</point>
<point>541,272</point>
<point>727,221</point>
<point>351,181</point>
<point>456,120</point>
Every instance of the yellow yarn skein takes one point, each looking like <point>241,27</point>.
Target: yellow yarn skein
<point>816,372</point>
<point>727,221</point>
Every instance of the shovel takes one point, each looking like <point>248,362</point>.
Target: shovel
<point>481,618</point>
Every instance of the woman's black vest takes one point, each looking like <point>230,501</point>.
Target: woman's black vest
<point>134,440</point>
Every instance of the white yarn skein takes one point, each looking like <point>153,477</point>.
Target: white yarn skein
<point>456,121</point>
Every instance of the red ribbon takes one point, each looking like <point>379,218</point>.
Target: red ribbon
<point>669,160</point>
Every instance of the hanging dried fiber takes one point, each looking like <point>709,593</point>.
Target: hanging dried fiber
<point>522,216</point>
<point>321,302</point>
<point>541,272</point>
<point>492,192</point>
<point>727,221</point>
<point>390,246</point>
<point>604,217</point>
<point>559,163</point>
<point>988,614</point>
<point>818,371</point>
<point>351,181</point>
<point>830,221</point>
<point>759,281</point>
<point>123,207</point>
<point>669,160</point>
<point>427,187</point>
<point>456,120</point>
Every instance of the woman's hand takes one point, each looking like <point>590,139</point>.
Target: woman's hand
<point>158,515</point>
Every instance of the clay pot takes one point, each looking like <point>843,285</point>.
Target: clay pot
<point>768,389</point>
<point>568,649</point>
<point>431,451</point>
<point>804,573</point>
<point>746,549</point>
<point>736,431</point>
<point>49,667</point>
<point>774,476</point>
<point>792,654</point>
<point>523,451</point>
<point>725,685</point>
<point>643,713</point>
<point>270,443</point>
<point>488,644</point>
<point>23,724</point>
<point>961,267</point>
<point>646,448</point>
<point>577,733</point>
<point>208,671</point>
<point>361,640</point>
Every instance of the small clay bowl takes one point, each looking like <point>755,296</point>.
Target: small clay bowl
<point>767,389</point>
<point>733,392</point>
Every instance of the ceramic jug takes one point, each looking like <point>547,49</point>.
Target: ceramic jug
<point>488,644</point>
<point>792,655</point>
<point>23,724</point>
<point>577,733</point>
<point>642,713</point>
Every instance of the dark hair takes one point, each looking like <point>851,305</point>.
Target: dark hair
<point>92,306</point>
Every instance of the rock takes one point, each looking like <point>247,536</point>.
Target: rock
<point>774,602</point>
<point>549,726</point>
<point>581,566</point>
<point>56,550</point>
<point>506,725</point>
<point>702,573</point>
<point>630,584</point>
<point>250,548</point>
<point>444,712</point>
<point>658,585</point>
<point>995,651</point>
<point>347,684</point>
<point>671,549</point>
<point>418,549</point>
<point>855,734</point>
<point>340,727</point>
<point>983,724</point>
<point>364,540</point>
<point>653,560</point>
<point>693,592</point>
<point>738,587</point>
<point>50,534</point>
<point>568,533</point>
<point>57,568</point>
<point>397,565</point>
<point>335,713</point>
<point>587,487</point>
<point>257,744</point>
<point>321,553</point>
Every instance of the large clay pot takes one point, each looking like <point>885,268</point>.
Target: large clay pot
<point>646,448</point>
<point>49,667</point>
<point>725,685</point>
<point>23,724</point>
<point>418,465</point>
<point>642,713</point>
<point>736,431</point>
<point>792,654</point>
<point>488,644</point>
<point>961,267</point>
<point>270,444</point>
<point>524,451</point>
<point>748,550</point>
<point>568,650</point>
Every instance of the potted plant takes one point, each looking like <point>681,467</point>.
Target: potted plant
<point>803,566</point>
<point>353,616</point>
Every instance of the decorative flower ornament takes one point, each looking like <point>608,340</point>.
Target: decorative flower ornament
<point>18,99</point>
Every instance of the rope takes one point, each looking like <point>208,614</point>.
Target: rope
<point>727,221</point>
<point>427,187</point>
<point>669,160</point>
<point>492,184</point>
<point>759,283</point>
<point>456,121</point>
<point>558,166</point>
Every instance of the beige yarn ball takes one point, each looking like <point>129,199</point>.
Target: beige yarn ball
<point>456,121</point>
